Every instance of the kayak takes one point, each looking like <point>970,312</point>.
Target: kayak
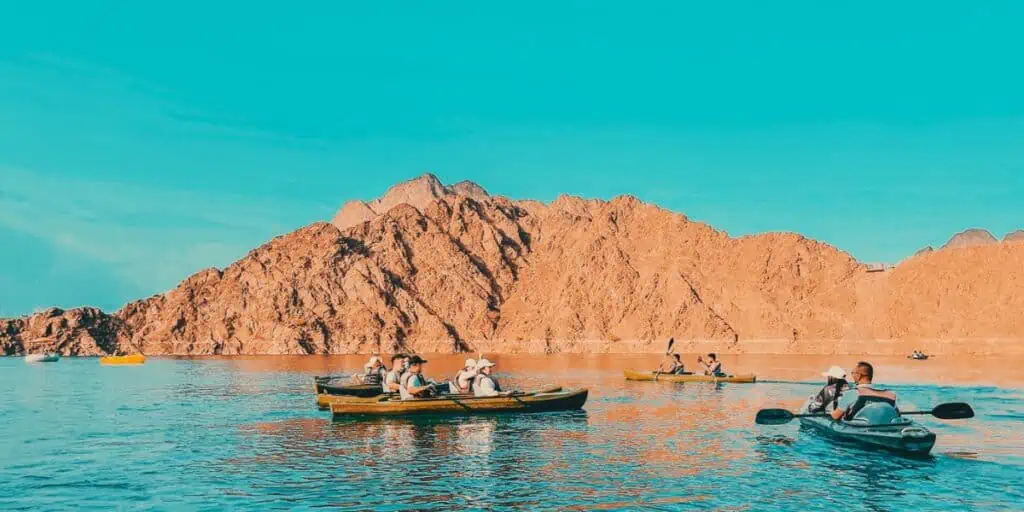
<point>329,386</point>
<point>42,358</point>
<point>689,377</point>
<point>460,404</point>
<point>921,357</point>
<point>123,360</point>
<point>902,435</point>
<point>324,401</point>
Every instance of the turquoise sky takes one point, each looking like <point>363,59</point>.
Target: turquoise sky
<point>140,142</point>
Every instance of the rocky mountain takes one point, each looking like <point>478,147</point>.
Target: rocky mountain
<point>418,193</point>
<point>432,268</point>
<point>1014,236</point>
<point>970,237</point>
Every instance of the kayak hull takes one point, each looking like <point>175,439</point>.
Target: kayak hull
<point>42,358</point>
<point>906,438</point>
<point>460,405</point>
<point>326,386</point>
<point>324,401</point>
<point>650,376</point>
<point>133,359</point>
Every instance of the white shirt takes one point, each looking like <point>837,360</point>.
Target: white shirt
<point>485,387</point>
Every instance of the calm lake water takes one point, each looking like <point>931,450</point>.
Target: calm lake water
<point>244,434</point>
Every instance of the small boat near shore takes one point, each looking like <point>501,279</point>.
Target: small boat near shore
<point>689,377</point>
<point>51,357</point>
<point>132,359</point>
<point>460,404</point>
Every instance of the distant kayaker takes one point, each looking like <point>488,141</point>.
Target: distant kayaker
<point>484,384</point>
<point>855,400</point>
<point>712,366</point>
<point>392,380</point>
<point>463,380</point>
<point>829,395</point>
<point>416,386</point>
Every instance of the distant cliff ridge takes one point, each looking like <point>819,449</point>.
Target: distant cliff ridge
<point>433,268</point>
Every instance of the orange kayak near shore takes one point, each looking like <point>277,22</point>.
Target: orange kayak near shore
<point>123,360</point>
<point>690,377</point>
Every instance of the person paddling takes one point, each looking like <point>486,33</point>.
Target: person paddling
<point>829,395</point>
<point>393,378</point>
<point>675,366</point>
<point>463,380</point>
<point>416,385</point>
<point>864,397</point>
<point>712,366</point>
<point>484,384</point>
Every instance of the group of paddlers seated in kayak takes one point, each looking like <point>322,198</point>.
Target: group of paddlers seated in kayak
<point>856,399</point>
<point>674,365</point>
<point>406,378</point>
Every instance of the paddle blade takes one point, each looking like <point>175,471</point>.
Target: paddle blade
<point>671,341</point>
<point>953,411</point>
<point>773,417</point>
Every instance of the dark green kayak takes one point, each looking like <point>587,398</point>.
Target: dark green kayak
<point>901,434</point>
<point>338,386</point>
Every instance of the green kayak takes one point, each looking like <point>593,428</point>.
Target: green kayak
<point>897,434</point>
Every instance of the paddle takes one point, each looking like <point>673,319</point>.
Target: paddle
<point>949,411</point>
<point>668,350</point>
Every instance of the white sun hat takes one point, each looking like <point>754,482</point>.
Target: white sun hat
<point>484,363</point>
<point>373,360</point>
<point>835,372</point>
<point>470,363</point>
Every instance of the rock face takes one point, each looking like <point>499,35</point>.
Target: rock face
<point>969,238</point>
<point>78,332</point>
<point>1014,236</point>
<point>418,193</point>
<point>430,268</point>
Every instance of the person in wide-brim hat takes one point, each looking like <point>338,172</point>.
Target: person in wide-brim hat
<point>830,393</point>
<point>485,384</point>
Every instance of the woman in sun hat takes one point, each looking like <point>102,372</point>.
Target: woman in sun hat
<point>829,395</point>
<point>485,384</point>
<point>463,380</point>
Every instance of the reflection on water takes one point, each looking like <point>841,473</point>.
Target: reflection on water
<point>243,434</point>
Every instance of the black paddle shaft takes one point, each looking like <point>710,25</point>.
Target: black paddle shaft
<point>948,411</point>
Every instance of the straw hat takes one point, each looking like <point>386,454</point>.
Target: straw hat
<point>835,372</point>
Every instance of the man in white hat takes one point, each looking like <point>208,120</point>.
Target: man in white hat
<point>829,395</point>
<point>485,384</point>
<point>463,380</point>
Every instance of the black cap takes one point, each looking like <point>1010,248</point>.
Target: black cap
<point>416,360</point>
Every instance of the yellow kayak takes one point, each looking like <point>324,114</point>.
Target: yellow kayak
<point>123,360</point>
<point>691,377</point>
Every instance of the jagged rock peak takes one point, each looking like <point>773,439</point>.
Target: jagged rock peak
<point>418,192</point>
<point>1014,236</point>
<point>970,237</point>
